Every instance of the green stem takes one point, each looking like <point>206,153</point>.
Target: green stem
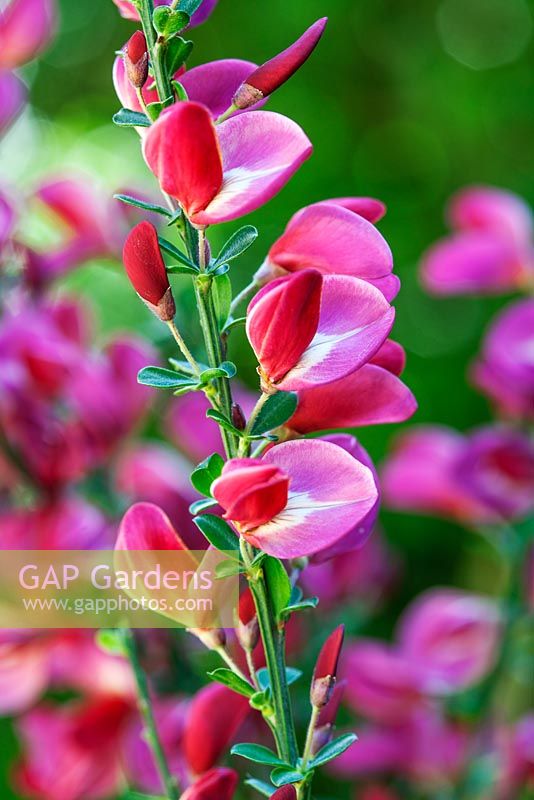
<point>156,51</point>
<point>147,713</point>
<point>306,756</point>
<point>274,647</point>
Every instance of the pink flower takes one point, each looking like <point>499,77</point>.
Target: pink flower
<point>490,250</point>
<point>287,792</point>
<point>146,270</point>
<point>12,99</point>
<point>307,329</point>
<point>455,635</point>
<point>212,84</point>
<point>127,10</point>
<point>328,493</point>
<point>26,28</point>
<point>372,395</point>
<point>219,783</point>
<point>147,527</point>
<point>482,478</point>
<point>231,170</point>
<point>505,369</point>
<point>334,239</point>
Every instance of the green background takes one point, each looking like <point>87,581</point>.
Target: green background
<point>393,114</point>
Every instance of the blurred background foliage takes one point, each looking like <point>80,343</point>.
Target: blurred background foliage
<point>406,101</point>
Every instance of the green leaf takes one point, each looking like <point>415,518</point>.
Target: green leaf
<point>226,569</point>
<point>178,51</point>
<point>180,91</point>
<point>292,675</point>
<point>226,370</point>
<point>163,378</point>
<point>222,270</point>
<point>134,201</point>
<point>167,22</point>
<point>218,533</point>
<point>260,786</point>
<point>126,118</point>
<point>154,110</point>
<point>206,472</point>
<point>333,750</point>
<point>276,410</point>
<point>233,681</point>
<point>173,251</point>
<point>222,298</point>
<point>303,605</point>
<point>184,366</point>
<point>131,795</point>
<point>182,269</point>
<point>201,505</point>
<point>111,641</point>
<point>190,6</point>
<point>258,701</point>
<point>282,776</point>
<point>278,584</point>
<point>191,239</point>
<point>233,323</point>
<point>240,241</point>
<point>221,420</point>
<point>259,754</point>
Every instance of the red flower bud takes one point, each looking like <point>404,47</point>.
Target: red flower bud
<point>286,792</point>
<point>327,717</point>
<point>217,784</point>
<point>136,59</point>
<point>238,418</point>
<point>279,69</point>
<point>146,270</point>
<point>250,492</point>
<point>324,675</point>
<point>248,630</point>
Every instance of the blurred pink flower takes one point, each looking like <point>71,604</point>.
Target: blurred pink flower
<point>232,169</point>
<point>212,84</point>
<point>12,99</point>
<point>483,478</point>
<point>490,250</point>
<point>315,493</point>
<point>330,237</point>
<point>26,28</point>
<point>128,10</point>
<point>505,369</point>
<point>307,329</point>
<point>454,635</point>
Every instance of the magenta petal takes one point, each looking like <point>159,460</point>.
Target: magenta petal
<point>7,219</point>
<point>260,153</point>
<point>147,527</point>
<point>474,262</point>
<point>354,321</point>
<point>333,240</point>
<point>215,83</point>
<point>367,207</point>
<point>26,27</point>
<point>369,396</point>
<point>12,98</point>
<point>484,208</point>
<point>329,493</point>
<point>202,13</point>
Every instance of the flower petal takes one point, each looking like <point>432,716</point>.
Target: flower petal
<point>215,83</point>
<point>12,98</point>
<point>213,719</point>
<point>26,27</point>
<point>194,181</point>
<point>355,320</point>
<point>484,208</point>
<point>367,207</point>
<point>260,153</point>
<point>330,491</point>
<point>147,527</point>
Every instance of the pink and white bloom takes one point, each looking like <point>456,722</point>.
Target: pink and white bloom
<point>308,329</point>
<point>128,10</point>
<point>212,84</point>
<point>299,498</point>
<point>490,250</point>
<point>231,170</point>
<point>334,239</point>
<point>26,28</point>
<point>505,368</point>
<point>483,478</point>
<point>372,395</point>
<point>454,634</point>
<point>12,98</point>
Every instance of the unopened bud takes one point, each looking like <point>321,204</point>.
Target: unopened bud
<point>212,639</point>
<point>287,792</point>
<point>324,675</point>
<point>146,270</point>
<point>265,79</point>
<point>324,730</point>
<point>248,629</point>
<point>238,418</point>
<point>136,59</point>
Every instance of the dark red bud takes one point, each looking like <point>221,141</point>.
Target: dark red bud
<point>248,630</point>
<point>279,69</point>
<point>324,676</point>
<point>238,418</point>
<point>324,732</point>
<point>212,638</point>
<point>136,59</point>
<point>287,792</point>
<point>146,270</point>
